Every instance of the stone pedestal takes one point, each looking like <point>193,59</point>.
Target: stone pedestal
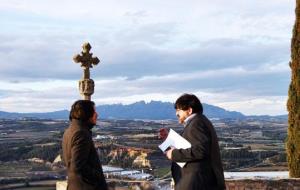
<point>61,185</point>
<point>86,88</point>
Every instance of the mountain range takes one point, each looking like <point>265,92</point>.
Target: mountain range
<point>154,110</point>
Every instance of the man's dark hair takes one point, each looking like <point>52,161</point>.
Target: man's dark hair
<point>187,101</point>
<point>82,110</point>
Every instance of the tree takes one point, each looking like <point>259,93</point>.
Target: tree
<point>293,103</point>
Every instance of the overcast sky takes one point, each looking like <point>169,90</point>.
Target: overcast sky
<point>231,53</point>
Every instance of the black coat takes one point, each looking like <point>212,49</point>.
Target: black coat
<point>203,169</point>
<point>80,156</point>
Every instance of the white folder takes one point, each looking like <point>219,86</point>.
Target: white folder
<point>176,141</point>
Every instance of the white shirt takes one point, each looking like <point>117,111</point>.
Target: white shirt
<point>188,119</point>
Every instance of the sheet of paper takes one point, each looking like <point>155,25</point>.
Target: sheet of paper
<point>177,141</point>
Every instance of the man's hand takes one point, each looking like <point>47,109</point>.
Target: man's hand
<point>169,153</point>
<point>163,133</point>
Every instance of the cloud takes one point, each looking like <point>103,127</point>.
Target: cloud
<point>273,105</point>
<point>146,51</point>
<point>142,60</point>
<point>144,48</point>
<point>37,97</point>
<point>60,94</point>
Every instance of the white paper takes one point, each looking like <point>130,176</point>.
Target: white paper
<point>176,141</point>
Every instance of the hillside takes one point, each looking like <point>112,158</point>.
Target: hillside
<point>154,110</point>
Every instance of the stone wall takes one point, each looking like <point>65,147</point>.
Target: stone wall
<point>244,184</point>
<point>263,184</point>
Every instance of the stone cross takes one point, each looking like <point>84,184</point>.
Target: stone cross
<point>86,85</point>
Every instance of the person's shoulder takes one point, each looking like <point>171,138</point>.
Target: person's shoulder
<point>76,130</point>
<point>199,121</point>
<point>81,131</point>
<point>68,131</point>
<point>80,135</point>
<point>201,118</point>
<point>198,118</point>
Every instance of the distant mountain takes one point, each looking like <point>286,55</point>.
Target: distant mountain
<point>63,114</point>
<point>157,110</point>
<point>267,117</point>
<point>154,110</point>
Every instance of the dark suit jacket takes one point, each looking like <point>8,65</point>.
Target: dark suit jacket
<point>203,169</point>
<point>80,156</point>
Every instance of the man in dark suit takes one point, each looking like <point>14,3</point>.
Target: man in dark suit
<point>203,169</point>
<point>79,154</point>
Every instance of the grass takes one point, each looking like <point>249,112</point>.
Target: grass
<point>14,169</point>
<point>161,172</point>
<point>19,169</point>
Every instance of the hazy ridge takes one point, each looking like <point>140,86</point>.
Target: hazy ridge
<point>154,110</point>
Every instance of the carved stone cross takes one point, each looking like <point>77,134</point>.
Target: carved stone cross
<point>86,85</point>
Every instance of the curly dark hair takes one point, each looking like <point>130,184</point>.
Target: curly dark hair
<point>187,101</point>
<point>82,110</point>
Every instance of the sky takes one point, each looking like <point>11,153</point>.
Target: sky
<point>230,53</point>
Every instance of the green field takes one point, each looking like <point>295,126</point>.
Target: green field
<point>162,172</point>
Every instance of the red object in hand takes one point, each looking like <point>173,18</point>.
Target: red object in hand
<point>163,133</point>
